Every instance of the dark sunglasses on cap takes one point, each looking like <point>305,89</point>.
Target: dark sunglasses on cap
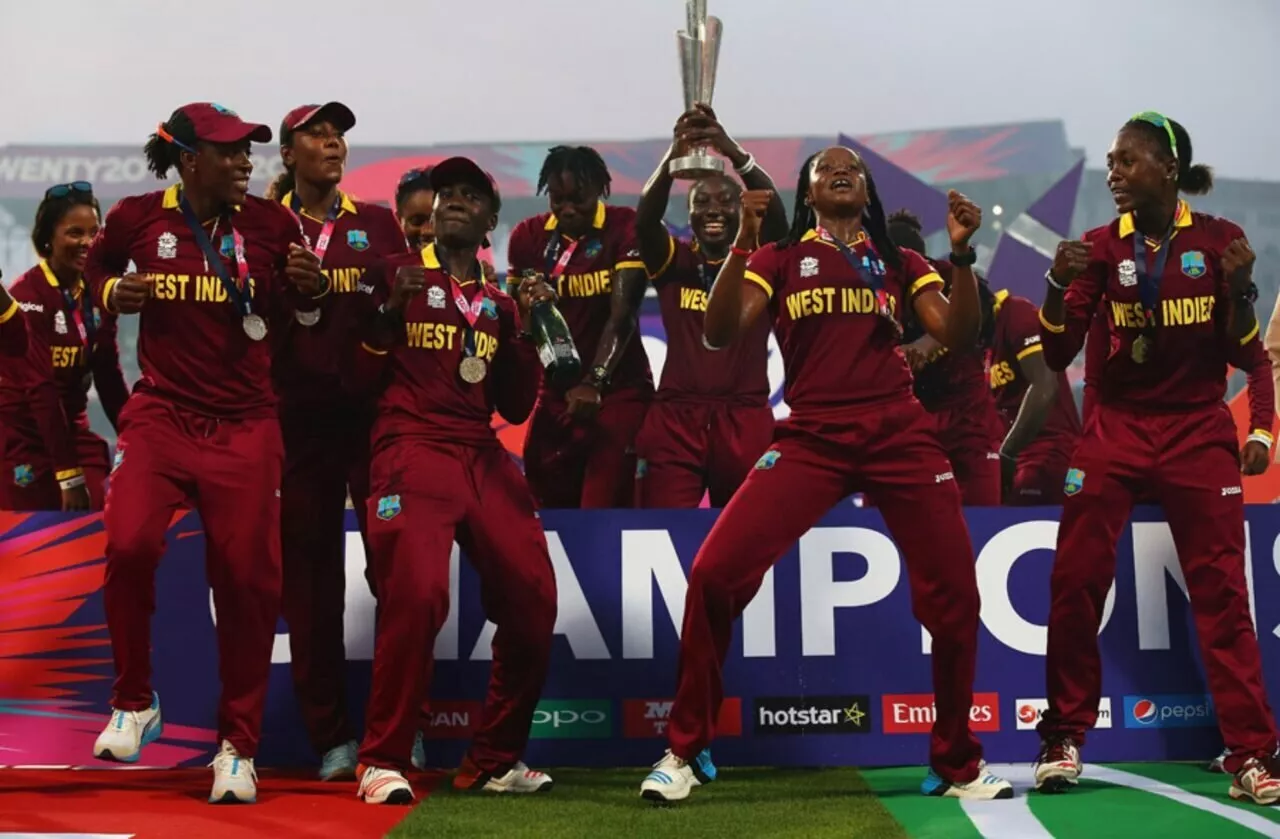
<point>414,175</point>
<point>63,190</point>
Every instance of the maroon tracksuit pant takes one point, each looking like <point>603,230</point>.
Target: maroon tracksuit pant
<point>424,495</point>
<point>580,465</point>
<point>326,453</point>
<point>889,450</point>
<point>1188,461</point>
<point>971,437</point>
<point>686,448</point>
<point>229,471</point>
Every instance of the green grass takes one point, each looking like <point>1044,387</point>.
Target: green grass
<point>601,804</point>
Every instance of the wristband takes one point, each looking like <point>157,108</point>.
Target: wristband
<point>737,251</point>
<point>1260,436</point>
<point>748,167</point>
<point>1048,278</point>
<point>964,260</point>
<point>1248,295</point>
<point>71,483</point>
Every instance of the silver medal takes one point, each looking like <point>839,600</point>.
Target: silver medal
<point>307,318</point>
<point>473,370</point>
<point>255,327</point>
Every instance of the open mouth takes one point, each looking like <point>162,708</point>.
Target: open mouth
<point>241,184</point>
<point>713,228</point>
<point>842,184</point>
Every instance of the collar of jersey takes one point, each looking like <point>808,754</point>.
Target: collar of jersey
<point>173,194</point>
<point>597,222</point>
<point>1181,218</point>
<point>1001,296</point>
<point>431,262</point>
<point>52,278</point>
<point>812,236</point>
<point>348,206</point>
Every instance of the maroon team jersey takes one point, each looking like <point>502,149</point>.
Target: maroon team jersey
<point>586,283</point>
<point>13,332</point>
<point>1017,336</point>
<point>308,363</point>
<point>43,397</point>
<point>1187,366</point>
<point>838,351</point>
<point>953,380</point>
<point>738,373</point>
<point>192,347</point>
<point>425,396</point>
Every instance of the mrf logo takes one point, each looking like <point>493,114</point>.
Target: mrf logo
<point>1029,712</point>
<point>813,715</point>
<point>1169,711</point>
<point>447,720</point>
<point>648,717</point>
<point>914,713</point>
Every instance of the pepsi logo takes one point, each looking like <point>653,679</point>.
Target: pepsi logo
<point>1144,711</point>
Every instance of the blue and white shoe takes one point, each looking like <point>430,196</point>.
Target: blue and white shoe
<point>985,787</point>
<point>673,777</point>
<point>128,731</point>
<point>419,756</point>
<point>235,781</point>
<point>339,763</point>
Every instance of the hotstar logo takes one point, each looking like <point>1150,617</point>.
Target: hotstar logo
<point>813,715</point>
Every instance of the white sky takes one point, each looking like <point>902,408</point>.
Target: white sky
<point>432,71</point>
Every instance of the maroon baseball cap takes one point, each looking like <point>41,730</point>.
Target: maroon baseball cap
<point>215,124</point>
<point>335,112</point>
<point>464,170</point>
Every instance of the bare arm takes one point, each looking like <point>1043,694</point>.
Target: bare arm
<point>1036,403</point>
<point>739,295</point>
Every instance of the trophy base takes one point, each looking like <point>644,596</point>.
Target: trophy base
<point>695,166</point>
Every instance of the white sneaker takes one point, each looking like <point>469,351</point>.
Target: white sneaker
<point>671,780</point>
<point>339,763</point>
<point>383,786</point>
<point>518,779</point>
<point>234,779</point>
<point>985,787</point>
<point>128,731</point>
<point>1218,764</point>
<point>419,757</point>
<point>1058,766</point>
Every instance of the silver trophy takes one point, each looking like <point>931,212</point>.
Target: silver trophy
<point>699,55</point>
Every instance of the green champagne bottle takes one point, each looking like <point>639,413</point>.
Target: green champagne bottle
<point>556,350</point>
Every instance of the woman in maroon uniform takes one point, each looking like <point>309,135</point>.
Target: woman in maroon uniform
<point>414,202</point>
<point>711,417</point>
<point>451,349</point>
<point>52,460</point>
<point>216,272</point>
<point>1178,294</point>
<point>325,424</point>
<point>952,386</point>
<point>580,448</point>
<point>836,289</point>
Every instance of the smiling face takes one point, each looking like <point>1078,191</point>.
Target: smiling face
<point>72,235</point>
<point>1140,173</point>
<point>837,184</point>
<point>220,170</point>
<point>414,213</point>
<point>715,205</point>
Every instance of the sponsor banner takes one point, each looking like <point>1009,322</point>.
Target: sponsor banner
<point>1027,713</point>
<point>566,719</point>
<point>648,717</point>
<point>831,621</point>
<point>1169,711</point>
<point>813,715</point>
<point>449,720</point>
<point>915,713</point>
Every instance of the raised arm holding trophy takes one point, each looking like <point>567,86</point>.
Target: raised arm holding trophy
<point>699,55</point>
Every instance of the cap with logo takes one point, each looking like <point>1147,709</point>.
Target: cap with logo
<point>212,123</point>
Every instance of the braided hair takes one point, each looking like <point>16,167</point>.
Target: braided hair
<point>582,162</point>
<point>1193,179</point>
<point>163,155</point>
<point>804,219</point>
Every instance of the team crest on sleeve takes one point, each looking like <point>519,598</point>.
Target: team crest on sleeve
<point>1128,273</point>
<point>358,240</point>
<point>768,459</point>
<point>167,246</point>
<point>388,507</point>
<point>23,475</point>
<point>435,297</point>
<point>809,266</point>
<point>1074,482</point>
<point>490,308</point>
<point>1193,264</point>
<point>593,248</point>
<point>60,322</point>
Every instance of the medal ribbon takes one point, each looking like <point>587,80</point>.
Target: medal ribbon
<point>870,270</point>
<point>556,266</point>
<point>238,289</point>
<point>1149,284</point>
<point>470,312</point>
<point>83,319</point>
<point>326,232</point>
